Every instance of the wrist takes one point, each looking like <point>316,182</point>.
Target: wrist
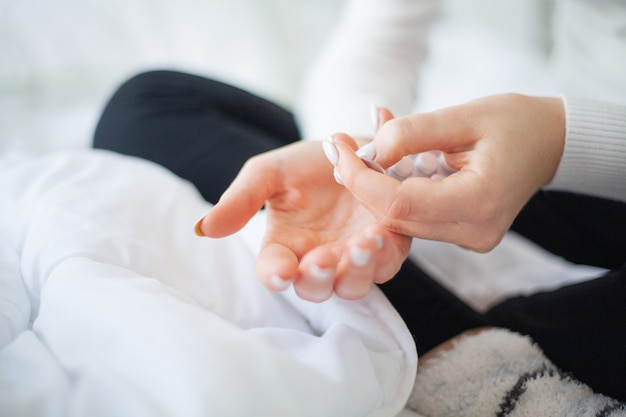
<point>552,116</point>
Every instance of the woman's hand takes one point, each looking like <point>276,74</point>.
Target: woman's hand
<point>504,147</point>
<point>318,236</point>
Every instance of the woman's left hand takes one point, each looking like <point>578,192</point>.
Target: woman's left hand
<point>318,236</point>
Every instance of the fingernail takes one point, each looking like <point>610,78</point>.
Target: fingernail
<point>367,152</point>
<point>337,177</point>
<point>378,239</point>
<point>278,283</point>
<point>330,150</point>
<point>375,116</point>
<point>321,274</point>
<point>360,256</point>
<point>197,228</point>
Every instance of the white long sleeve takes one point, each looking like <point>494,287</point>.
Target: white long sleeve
<point>589,60</point>
<point>372,57</point>
<point>594,157</point>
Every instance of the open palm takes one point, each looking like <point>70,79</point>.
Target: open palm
<point>318,236</point>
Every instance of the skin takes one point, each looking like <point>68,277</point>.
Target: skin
<point>313,225</point>
<point>504,147</point>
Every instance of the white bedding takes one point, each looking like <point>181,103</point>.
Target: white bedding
<point>132,314</point>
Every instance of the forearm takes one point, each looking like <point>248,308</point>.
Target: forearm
<point>372,57</point>
<point>594,156</point>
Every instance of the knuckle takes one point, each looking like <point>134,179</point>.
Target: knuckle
<point>395,133</point>
<point>399,209</point>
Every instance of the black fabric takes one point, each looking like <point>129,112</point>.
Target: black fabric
<point>432,313</point>
<point>582,229</point>
<point>580,327</point>
<point>198,128</point>
<point>204,131</point>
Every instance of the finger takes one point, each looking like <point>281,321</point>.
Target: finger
<point>448,130</point>
<point>379,116</point>
<point>374,190</point>
<point>384,115</point>
<point>427,199</point>
<point>242,200</point>
<point>418,207</point>
<point>276,266</point>
<point>357,268</point>
<point>317,273</point>
<point>391,251</point>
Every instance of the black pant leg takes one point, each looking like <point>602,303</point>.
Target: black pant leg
<point>580,327</point>
<point>582,229</point>
<point>200,129</point>
<point>431,312</point>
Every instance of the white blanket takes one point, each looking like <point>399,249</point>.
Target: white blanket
<point>111,306</point>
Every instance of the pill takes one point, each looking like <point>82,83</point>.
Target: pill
<point>402,169</point>
<point>431,164</point>
<point>426,163</point>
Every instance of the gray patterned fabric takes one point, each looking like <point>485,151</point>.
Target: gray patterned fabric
<point>500,373</point>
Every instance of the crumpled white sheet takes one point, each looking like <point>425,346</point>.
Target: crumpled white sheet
<point>111,306</point>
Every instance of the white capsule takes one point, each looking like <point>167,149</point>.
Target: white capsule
<point>444,169</point>
<point>402,169</point>
<point>430,164</point>
<point>426,164</point>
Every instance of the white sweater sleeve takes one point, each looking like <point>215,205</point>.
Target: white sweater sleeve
<point>371,57</point>
<point>594,158</point>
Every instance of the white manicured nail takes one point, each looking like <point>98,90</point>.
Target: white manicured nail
<point>378,239</point>
<point>321,274</point>
<point>375,116</point>
<point>337,177</point>
<point>360,256</point>
<point>330,150</point>
<point>367,152</point>
<point>278,283</point>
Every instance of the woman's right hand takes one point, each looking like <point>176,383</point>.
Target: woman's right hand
<point>504,147</point>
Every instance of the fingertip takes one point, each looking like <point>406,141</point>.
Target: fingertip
<point>345,139</point>
<point>220,222</point>
<point>375,233</point>
<point>360,256</point>
<point>384,115</point>
<point>353,292</point>
<point>317,273</point>
<point>197,227</point>
<point>276,267</point>
<point>278,283</point>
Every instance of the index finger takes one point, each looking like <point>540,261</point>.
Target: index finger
<point>446,130</point>
<point>241,200</point>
